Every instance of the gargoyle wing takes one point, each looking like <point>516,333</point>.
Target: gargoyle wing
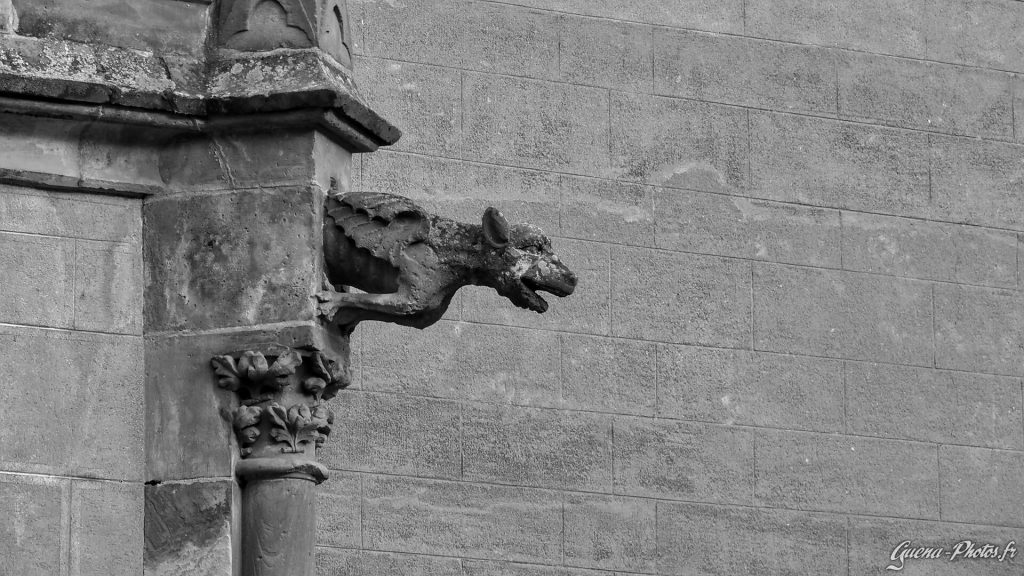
<point>381,223</point>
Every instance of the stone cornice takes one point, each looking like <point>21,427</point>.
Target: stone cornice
<point>119,84</point>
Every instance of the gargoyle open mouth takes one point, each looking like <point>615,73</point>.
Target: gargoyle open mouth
<point>531,285</point>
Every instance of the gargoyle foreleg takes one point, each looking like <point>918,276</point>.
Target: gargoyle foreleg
<point>393,304</point>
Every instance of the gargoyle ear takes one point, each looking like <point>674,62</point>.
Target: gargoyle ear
<point>495,228</point>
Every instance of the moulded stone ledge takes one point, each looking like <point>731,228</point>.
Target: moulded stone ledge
<point>237,83</point>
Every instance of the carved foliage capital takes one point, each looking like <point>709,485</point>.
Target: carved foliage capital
<point>282,396</point>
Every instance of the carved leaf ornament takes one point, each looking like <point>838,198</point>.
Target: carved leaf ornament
<point>253,374</point>
<point>299,425</point>
<point>260,384</point>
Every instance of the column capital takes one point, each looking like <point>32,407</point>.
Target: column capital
<point>282,416</point>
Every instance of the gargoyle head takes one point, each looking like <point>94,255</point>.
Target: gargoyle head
<point>519,262</point>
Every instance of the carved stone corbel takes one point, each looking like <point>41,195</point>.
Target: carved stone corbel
<point>281,420</point>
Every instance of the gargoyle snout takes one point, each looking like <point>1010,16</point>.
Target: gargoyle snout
<point>551,276</point>
<point>570,280</point>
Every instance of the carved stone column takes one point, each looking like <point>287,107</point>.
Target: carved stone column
<point>281,420</point>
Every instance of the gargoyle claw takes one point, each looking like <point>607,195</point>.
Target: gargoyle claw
<point>329,303</point>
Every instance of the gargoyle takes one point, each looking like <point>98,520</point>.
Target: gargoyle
<point>410,263</point>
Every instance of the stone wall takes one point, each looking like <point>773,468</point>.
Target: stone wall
<point>797,339</point>
<point>798,335</point>
<point>71,402</point>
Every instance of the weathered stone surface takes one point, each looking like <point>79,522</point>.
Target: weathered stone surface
<point>117,153</point>
<point>77,154</point>
<point>608,375</point>
<point>106,528</point>
<point>978,329</point>
<point>736,226</point>
<point>338,511</point>
<point>834,473</point>
<point>878,26</point>
<point>204,271</point>
<point>335,168</point>
<point>261,82</point>
<point>242,83</point>
<point>40,145</point>
<point>522,195</point>
<point>38,274</point>
<point>933,405</point>
<point>607,210</point>
<point>188,528</point>
<point>981,485</point>
<point>537,447</point>
<point>76,215</point>
<point>338,562</point>
<point>979,182</point>
<point>74,407</point>
<point>395,434</point>
<point>883,26</point>
<point>725,16</point>
<point>925,95</point>
<point>744,71</point>
<point>174,27</point>
<point>842,314</point>
<point>33,536</point>
<point>494,38</point>
<point>929,250</point>
<point>412,262</point>
<point>1018,108</point>
<point>108,287</point>
<point>750,388</point>
<point>421,178</point>
<point>611,533</point>
<point>8,18</point>
<point>977,32</point>
<point>608,53</point>
<point>680,298</point>
<point>665,459</point>
<point>464,190</point>
<point>91,73</point>
<point>278,526</point>
<point>232,161</point>
<point>522,365</point>
<point>253,26</point>
<point>678,143</point>
<point>535,124</point>
<point>427,100</point>
<point>585,311</point>
<point>872,541</point>
<point>461,519</point>
<point>701,539</point>
<point>839,164</point>
<point>792,20</point>
<point>185,441</point>
<point>484,568</point>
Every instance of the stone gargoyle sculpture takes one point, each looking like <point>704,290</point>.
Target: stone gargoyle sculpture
<point>409,263</point>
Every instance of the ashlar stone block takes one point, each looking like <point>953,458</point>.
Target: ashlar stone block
<point>461,519</point>
<point>33,534</point>
<point>81,414</point>
<point>188,528</point>
<point>206,271</point>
